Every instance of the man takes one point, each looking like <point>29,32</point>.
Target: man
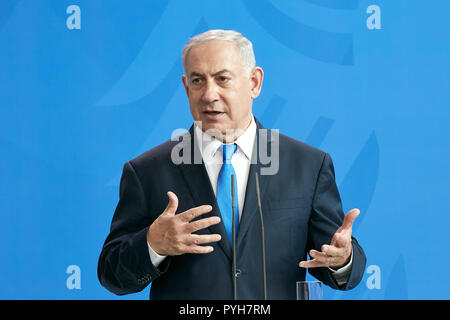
<point>172,225</point>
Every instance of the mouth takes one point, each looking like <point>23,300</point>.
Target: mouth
<point>212,111</point>
<point>213,114</point>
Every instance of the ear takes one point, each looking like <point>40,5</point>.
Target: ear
<point>185,84</point>
<point>256,79</point>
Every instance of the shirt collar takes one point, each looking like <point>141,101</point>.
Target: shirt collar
<point>209,145</point>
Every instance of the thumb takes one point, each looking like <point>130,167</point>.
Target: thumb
<point>172,205</point>
<point>350,218</point>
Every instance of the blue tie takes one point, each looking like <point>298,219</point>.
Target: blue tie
<point>224,190</point>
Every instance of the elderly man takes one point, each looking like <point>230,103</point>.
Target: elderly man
<point>172,225</point>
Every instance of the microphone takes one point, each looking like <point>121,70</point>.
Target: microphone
<point>263,250</point>
<point>233,236</point>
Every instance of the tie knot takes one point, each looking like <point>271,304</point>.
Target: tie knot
<point>228,151</point>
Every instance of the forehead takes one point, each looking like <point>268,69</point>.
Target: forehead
<point>214,55</point>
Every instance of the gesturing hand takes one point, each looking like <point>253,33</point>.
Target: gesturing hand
<point>337,253</point>
<point>171,234</point>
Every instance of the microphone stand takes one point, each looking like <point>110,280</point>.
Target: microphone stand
<point>263,250</point>
<point>233,236</point>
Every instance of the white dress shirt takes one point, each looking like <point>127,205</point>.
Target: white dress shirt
<point>211,150</point>
<point>211,153</point>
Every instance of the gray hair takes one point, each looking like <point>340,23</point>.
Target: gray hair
<point>244,45</point>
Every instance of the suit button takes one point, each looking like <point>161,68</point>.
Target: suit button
<point>238,273</point>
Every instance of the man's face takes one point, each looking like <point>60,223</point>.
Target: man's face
<point>219,89</point>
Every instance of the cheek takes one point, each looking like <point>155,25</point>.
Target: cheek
<point>194,110</point>
<point>240,103</point>
<point>194,102</point>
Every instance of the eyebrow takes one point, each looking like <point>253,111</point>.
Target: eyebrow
<point>196,74</point>
<point>222,71</point>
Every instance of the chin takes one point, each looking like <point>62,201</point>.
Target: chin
<point>214,127</point>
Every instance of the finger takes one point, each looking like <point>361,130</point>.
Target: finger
<point>192,213</point>
<point>172,205</point>
<point>197,239</point>
<point>320,256</point>
<point>202,223</point>
<point>321,259</point>
<point>199,249</point>
<point>325,259</point>
<point>311,264</point>
<point>350,218</point>
<point>332,251</point>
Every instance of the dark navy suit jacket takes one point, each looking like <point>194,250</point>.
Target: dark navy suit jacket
<point>301,208</point>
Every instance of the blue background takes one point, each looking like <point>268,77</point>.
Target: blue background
<point>76,104</point>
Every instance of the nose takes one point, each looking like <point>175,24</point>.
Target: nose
<point>210,92</point>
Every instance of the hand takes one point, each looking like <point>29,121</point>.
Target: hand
<point>171,234</point>
<point>337,254</point>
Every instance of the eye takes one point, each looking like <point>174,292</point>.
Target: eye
<point>223,79</point>
<point>196,81</point>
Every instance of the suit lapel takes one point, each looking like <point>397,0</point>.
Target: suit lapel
<point>250,209</point>
<point>196,177</point>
